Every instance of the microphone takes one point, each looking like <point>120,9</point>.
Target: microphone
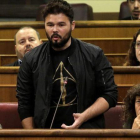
<point>65,82</point>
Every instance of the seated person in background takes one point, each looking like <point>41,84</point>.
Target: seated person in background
<point>26,39</point>
<point>133,57</point>
<point>134,6</point>
<point>132,108</point>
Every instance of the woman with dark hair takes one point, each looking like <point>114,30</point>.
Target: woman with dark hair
<point>132,108</point>
<point>133,57</point>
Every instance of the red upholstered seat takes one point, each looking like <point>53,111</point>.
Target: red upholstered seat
<point>9,117</point>
<point>113,118</point>
<point>82,11</point>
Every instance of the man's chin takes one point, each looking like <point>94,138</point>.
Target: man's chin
<point>57,45</point>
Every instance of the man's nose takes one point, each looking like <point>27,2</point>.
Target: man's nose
<point>28,44</point>
<point>136,4</point>
<point>55,29</point>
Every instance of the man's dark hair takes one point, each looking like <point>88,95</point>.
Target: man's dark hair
<point>57,7</point>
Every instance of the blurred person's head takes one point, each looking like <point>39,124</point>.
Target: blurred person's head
<point>133,57</point>
<point>134,6</point>
<point>131,105</point>
<point>26,39</point>
<point>58,18</point>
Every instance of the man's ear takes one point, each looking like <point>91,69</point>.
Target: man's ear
<point>73,25</point>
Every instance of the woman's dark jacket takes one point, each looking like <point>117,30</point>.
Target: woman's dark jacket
<point>94,76</point>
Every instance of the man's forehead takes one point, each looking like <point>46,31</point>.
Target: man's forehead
<point>56,17</point>
<point>26,32</point>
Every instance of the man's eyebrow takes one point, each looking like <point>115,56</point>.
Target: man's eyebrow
<point>21,40</point>
<point>57,23</point>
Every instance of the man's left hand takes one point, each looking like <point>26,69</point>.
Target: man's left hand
<point>78,120</point>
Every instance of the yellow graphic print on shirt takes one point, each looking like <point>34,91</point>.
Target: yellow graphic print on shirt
<point>62,68</point>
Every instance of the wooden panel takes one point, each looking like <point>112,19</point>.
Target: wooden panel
<point>84,29</point>
<point>8,93</point>
<point>114,59</point>
<point>122,91</point>
<point>59,134</point>
<point>125,77</point>
<point>7,59</point>
<point>109,45</point>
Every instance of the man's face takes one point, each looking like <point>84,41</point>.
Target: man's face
<point>134,6</point>
<point>137,48</point>
<point>58,30</point>
<point>26,39</point>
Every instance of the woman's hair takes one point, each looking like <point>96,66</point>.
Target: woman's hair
<point>129,113</point>
<point>57,7</point>
<point>131,59</point>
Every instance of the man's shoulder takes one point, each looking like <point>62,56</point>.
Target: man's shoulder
<point>88,49</point>
<point>88,46</point>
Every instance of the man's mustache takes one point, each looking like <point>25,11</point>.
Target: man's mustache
<point>55,35</point>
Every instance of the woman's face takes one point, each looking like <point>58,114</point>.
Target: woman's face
<point>137,48</point>
<point>137,105</point>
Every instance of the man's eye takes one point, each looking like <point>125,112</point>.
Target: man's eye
<point>21,42</point>
<point>61,25</point>
<point>32,39</point>
<point>138,101</point>
<point>138,44</point>
<point>50,25</point>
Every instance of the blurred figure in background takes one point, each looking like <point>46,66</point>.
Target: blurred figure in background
<point>134,7</point>
<point>132,108</point>
<point>26,39</point>
<point>133,57</point>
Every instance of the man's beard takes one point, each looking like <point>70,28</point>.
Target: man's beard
<point>60,44</point>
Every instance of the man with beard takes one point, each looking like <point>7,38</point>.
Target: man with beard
<point>134,7</point>
<point>64,83</point>
<point>26,39</point>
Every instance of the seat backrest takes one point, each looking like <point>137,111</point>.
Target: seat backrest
<point>124,10</point>
<point>9,117</point>
<point>82,11</point>
<point>113,117</point>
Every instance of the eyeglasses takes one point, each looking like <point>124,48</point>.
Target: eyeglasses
<point>133,1</point>
<point>137,45</point>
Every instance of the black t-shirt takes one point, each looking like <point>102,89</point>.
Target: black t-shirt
<point>68,102</point>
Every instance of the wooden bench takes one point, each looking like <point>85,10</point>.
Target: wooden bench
<point>125,77</point>
<point>109,45</point>
<point>84,29</point>
<point>114,59</point>
<point>71,134</point>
